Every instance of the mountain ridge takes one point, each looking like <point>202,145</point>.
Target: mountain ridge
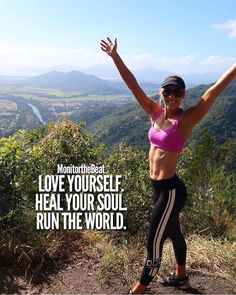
<point>129,123</point>
<point>74,81</point>
<point>88,83</point>
<point>109,72</point>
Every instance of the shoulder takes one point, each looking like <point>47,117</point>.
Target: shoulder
<point>187,114</point>
<point>187,122</point>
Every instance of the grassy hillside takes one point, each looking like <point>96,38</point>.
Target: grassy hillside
<point>221,120</point>
<point>129,124</point>
<point>110,119</point>
<point>26,155</point>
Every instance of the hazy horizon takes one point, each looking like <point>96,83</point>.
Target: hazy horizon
<point>180,36</point>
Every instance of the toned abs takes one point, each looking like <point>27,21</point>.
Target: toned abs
<point>162,163</point>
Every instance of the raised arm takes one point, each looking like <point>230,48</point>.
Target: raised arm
<point>197,112</point>
<point>150,106</point>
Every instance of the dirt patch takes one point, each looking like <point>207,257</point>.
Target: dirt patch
<point>81,277</point>
<point>199,284</point>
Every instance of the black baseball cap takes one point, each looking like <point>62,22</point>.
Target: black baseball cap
<point>174,80</point>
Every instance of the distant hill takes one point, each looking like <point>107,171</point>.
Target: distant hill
<point>221,119</point>
<point>151,74</point>
<point>85,84</point>
<point>129,124</point>
<point>103,79</point>
<point>113,124</point>
<point>75,81</point>
<point>109,72</point>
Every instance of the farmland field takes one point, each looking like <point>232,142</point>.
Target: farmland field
<point>6,105</point>
<point>26,107</point>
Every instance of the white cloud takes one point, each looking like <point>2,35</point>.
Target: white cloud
<point>180,61</point>
<point>216,63</point>
<point>140,60</point>
<point>218,60</point>
<point>146,59</point>
<point>45,57</point>
<point>229,25</point>
<point>82,58</point>
<point>16,60</point>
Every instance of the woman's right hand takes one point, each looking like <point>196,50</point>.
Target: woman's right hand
<point>109,47</point>
<point>149,105</point>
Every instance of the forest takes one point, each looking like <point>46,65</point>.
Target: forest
<point>208,169</point>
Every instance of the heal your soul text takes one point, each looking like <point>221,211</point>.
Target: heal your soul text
<point>79,202</point>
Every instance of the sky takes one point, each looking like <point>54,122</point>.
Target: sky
<point>190,36</point>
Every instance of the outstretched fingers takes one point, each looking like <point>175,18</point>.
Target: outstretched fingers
<point>104,45</point>
<point>108,46</point>
<point>109,40</point>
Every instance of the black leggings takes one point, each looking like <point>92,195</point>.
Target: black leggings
<point>169,196</point>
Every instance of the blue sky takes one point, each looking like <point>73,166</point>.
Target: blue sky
<point>184,35</point>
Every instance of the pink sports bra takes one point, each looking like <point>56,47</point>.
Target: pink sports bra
<point>168,139</point>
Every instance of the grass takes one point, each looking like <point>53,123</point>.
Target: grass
<point>33,251</point>
<point>48,94</point>
<point>205,256</point>
<point>212,256</point>
<point>52,97</point>
<point>114,258</point>
<point>119,256</point>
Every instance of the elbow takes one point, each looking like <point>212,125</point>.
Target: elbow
<point>133,85</point>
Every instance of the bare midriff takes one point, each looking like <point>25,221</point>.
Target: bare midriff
<point>162,163</point>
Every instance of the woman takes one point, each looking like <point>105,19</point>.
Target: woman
<point>170,129</point>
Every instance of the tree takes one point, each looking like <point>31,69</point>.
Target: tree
<point>211,188</point>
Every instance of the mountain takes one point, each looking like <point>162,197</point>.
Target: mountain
<point>86,84</point>
<point>151,74</point>
<point>146,74</point>
<point>200,78</point>
<point>149,78</point>
<point>30,71</point>
<point>221,119</point>
<point>75,81</point>
<point>109,72</point>
<point>129,124</point>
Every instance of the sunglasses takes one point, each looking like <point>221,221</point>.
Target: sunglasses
<point>176,92</point>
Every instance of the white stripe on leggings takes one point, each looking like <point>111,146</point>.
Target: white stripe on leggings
<point>161,227</point>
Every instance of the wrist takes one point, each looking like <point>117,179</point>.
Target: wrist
<point>115,55</point>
